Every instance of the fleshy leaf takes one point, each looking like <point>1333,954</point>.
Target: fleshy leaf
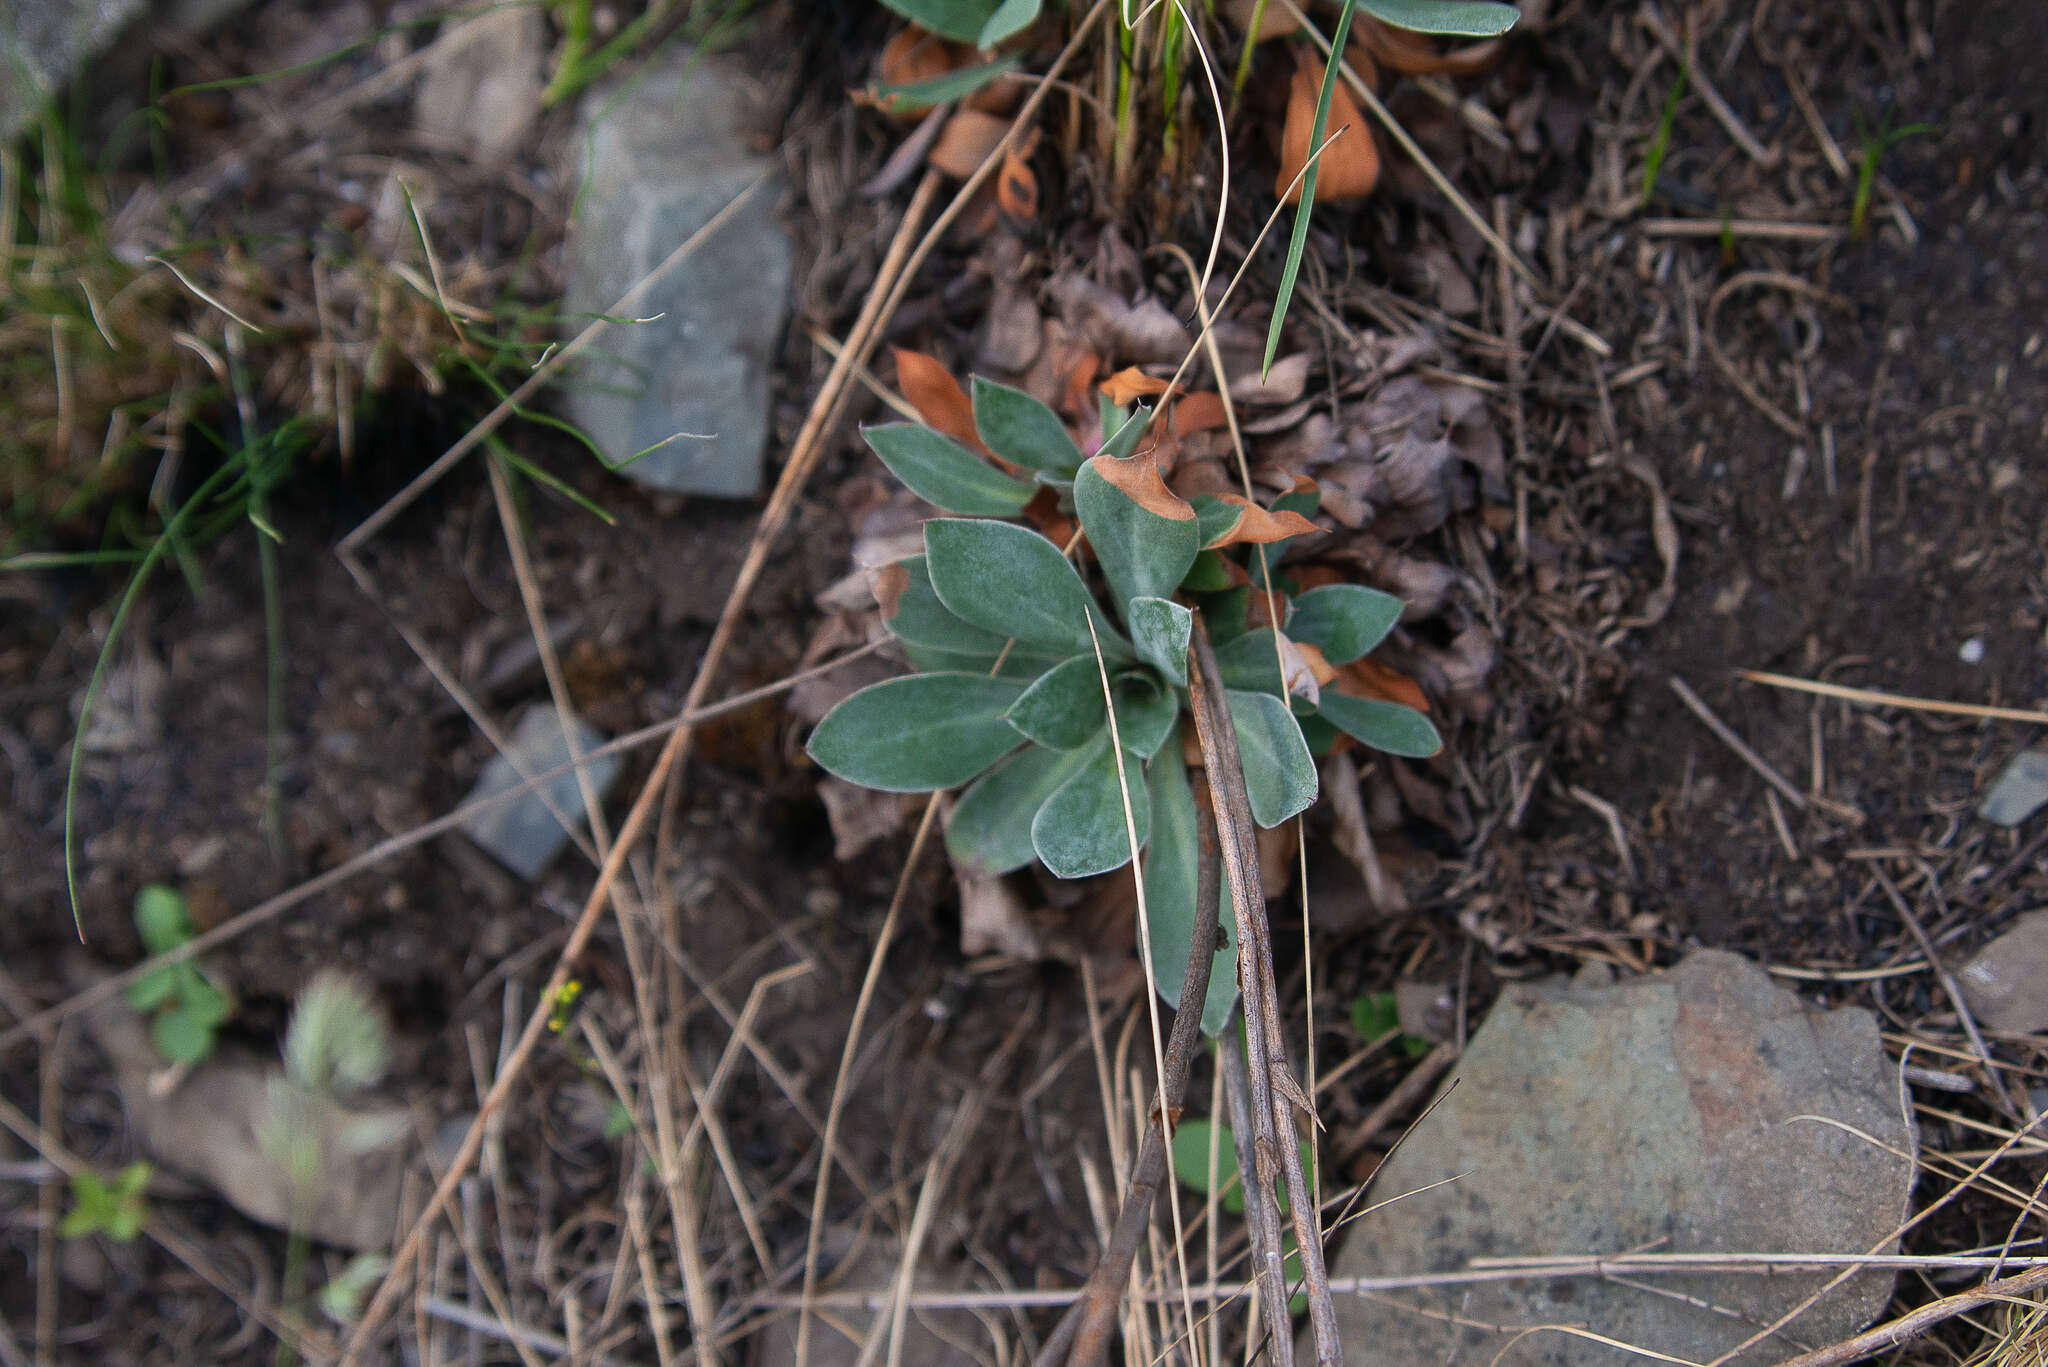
<point>1010,580</point>
<point>1171,875</point>
<point>153,988</point>
<point>182,1036</point>
<point>946,474</point>
<point>1228,615</point>
<point>1018,665</point>
<point>1387,726</point>
<point>1320,735</point>
<point>1251,662</point>
<point>991,827</point>
<point>1215,516</point>
<point>1124,439</point>
<point>914,615</point>
<point>1344,621</point>
<point>1064,709</point>
<point>161,918</point>
<point>1020,429</point>
<point>1160,631</point>
<point>1145,712</point>
<point>960,20</point>
<point>918,733</point>
<point>1279,776</point>
<point>1209,574</point>
<point>1011,16</point>
<point>1459,18</point>
<point>1080,829</point>
<point>1144,536</point>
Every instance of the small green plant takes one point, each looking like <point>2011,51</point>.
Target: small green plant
<point>115,1209</point>
<point>341,1300</point>
<point>186,1011</point>
<point>1875,143</point>
<point>1660,143</point>
<point>336,1046</point>
<point>1057,713</point>
<point>1375,1016</point>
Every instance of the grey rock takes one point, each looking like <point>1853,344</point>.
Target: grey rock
<point>485,85</point>
<point>1598,1118</point>
<point>43,43</point>
<point>662,160</point>
<point>2006,982</point>
<point>2020,790</point>
<point>524,835</point>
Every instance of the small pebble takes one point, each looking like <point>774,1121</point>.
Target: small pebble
<point>1972,652</point>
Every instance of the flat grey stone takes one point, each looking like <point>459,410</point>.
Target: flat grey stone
<point>1592,1118</point>
<point>661,161</point>
<point>484,88</point>
<point>43,42</point>
<point>2006,982</point>
<point>524,835</point>
<point>2019,791</point>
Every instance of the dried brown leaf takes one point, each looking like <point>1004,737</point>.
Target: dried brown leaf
<point>1138,477</point>
<point>1350,167</point>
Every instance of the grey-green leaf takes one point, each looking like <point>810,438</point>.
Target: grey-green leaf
<point>182,1036</point>
<point>1160,631</point>
<point>161,918</point>
<point>1064,708</point>
<point>1010,580</point>
<point>1080,829</point>
<point>1457,18</point>
<point>1344,621</point>
<point>991,827</point>
<point>960,20</point>
<point>1279,776</point>
<point>1124,440</point>
<point>1215,516</point>
<point>1144,551</point>
<point>1251,661</point>
<point>1171,875</point>
<point>946,474</point>
<point>1389,726</point>
<point>920,619</point>
<point>1012,16</point>
<point>1020,429</point>
<point>1145,712</point>
<point>918,733</point>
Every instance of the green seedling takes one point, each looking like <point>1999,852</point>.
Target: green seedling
<point>1374,1017</point>
<point>1875,143</point>
<point>341,1300</point>
<point>1064,720</point>
<point>186,1011</point>
<point>336,1046</point>
<point>1660,144</point>
<point>115,1209</point>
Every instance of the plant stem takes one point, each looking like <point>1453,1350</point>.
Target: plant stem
<point>1083,1334</point>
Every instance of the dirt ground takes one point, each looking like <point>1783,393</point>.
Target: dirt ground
<point>1887,529</point>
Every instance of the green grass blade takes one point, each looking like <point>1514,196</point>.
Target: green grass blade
<point>157,551</point>
<point>1298,243</point>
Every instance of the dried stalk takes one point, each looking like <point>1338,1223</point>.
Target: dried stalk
<point>1276,1153</point>
<point>1083,1335</point>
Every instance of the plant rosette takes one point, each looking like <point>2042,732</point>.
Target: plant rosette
<point>1065,722</point>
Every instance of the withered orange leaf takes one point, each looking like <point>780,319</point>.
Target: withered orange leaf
<point>1193,413</point>
<point>1350,167</point>
<point>1256,526</point>
<point>1368,678</point>
<point>1131,384</point>
<point>1017,187</point>
<point>966,141</point>
<point>1138,478</point>
<point>937,397</point>
<point>888,583</point>
<point>1318,664</point>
